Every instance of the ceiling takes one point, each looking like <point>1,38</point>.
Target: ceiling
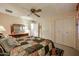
<point>48,9</point>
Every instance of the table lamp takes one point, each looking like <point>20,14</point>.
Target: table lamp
<point>2,29</point>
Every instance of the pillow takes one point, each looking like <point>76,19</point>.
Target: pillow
<point>23,38</point>
<point>8,43</point>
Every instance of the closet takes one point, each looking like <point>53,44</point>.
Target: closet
<point>65,31</point>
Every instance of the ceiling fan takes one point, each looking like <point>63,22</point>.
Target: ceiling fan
<point>35,11</point>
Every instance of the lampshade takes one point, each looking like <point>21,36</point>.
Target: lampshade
<point>2,29</point>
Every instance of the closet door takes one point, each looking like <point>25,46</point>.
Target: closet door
<point>58,31</point>
<point>69,32</point>
<point>64,32</point>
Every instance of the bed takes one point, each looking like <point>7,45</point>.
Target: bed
<point>27,46</point>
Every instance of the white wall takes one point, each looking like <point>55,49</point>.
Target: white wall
<point>7,21</point>
<point>77,19</point>
<point>46,27</point>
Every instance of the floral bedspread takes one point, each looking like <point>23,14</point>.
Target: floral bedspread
<point>33,47</point>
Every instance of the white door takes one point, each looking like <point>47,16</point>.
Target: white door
<point>64,32</point>
<point>58,31</point>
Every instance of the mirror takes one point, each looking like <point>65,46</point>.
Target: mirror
<point>19,29</point>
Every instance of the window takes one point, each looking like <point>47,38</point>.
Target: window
<point>34,29</point>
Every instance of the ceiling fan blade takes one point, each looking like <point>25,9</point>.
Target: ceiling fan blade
<point>36,15</point>
<point>39,10</point>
